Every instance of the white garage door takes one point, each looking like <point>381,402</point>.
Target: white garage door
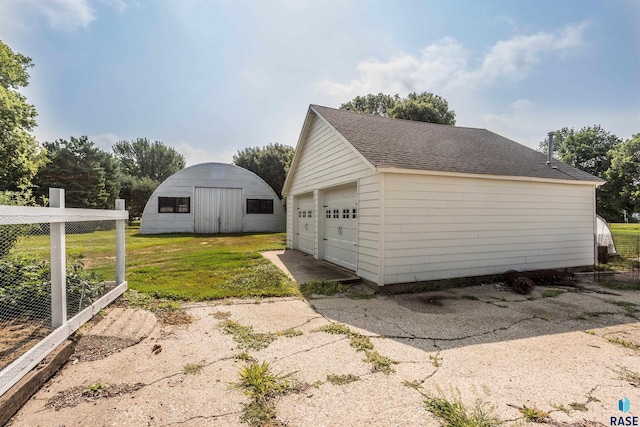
<point>341,226</point>
<point>305,231</point>
<point>217,210</point>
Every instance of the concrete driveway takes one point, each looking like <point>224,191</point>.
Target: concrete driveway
<point>569,352</point>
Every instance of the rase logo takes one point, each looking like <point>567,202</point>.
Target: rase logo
<point>624,405</point>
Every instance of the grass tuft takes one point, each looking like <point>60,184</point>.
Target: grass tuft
<point>193,368</point>
<point>534,414</point>
<point>245,337</point>
<point>262,386</point>
<point>379,363</point>
<point>342,379</point>
<point>456,414</point>
<point>624,343</point>
<point>470,297</point>
<point>435,360</point>
<point>360,342</point>
<point>289,333</point>
<point>335,329</point>
<point>552,293</point>
<point>322,287</point>
<point>626,374</point>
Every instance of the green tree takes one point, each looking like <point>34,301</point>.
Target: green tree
<point>20,154</point>
<point>423,107</point>
<point>141,158</point>
<point>591,149</point>
<point>271,163</point>
<point>89,176</point>
<point>623,179</point>
<point>136,192</point>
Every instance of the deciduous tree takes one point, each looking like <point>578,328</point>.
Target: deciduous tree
<point>271,163</point>
<point>20,154</point>
<point>142,158</point>
<point>422,107</point>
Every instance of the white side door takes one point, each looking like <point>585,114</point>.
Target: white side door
<point>305,226</point>
<point>340,219</point>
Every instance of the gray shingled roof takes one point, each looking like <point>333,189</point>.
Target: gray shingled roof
<point>407,144</point>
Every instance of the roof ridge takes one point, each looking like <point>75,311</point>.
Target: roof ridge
<point>399,120</point>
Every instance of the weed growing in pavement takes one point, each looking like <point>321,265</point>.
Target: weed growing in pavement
<point>470,297</point>
<point>435,360</point>
<point>222,314</point>
<point>361,343</point>
<point>379,363</point>
<point>262,386</point>
<point>245,337</point>
<point>415,384</point>
<point>620,286</point>
<point>534,414</point>
<point>578,406</point>
<point>168,311</point>
<point>561,408</point>
<point>193,368</point>
<point>626,374</point>
<point>335,329</point>
<point>96,389</point>
<point>245,357</point>
<point>322,287</point>
<point>342,379</point>
<point>624,343</point>
<point>628,306</point>
<point>289,333</point>
<point>552,293</point>
<point>586,315</point>
<point>456,414</point>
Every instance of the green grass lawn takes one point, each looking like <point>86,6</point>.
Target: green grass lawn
<point>627,239</point>
<point>181,266</point>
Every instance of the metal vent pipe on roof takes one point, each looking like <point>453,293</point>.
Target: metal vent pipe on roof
<point>550,149</point>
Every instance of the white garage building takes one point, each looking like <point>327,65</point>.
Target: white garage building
<point>399,201</point>
<point>213,198</point>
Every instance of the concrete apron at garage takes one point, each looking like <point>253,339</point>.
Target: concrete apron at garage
<point>302,267</point>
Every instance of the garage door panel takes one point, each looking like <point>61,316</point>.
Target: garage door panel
<point>217,210</point>
<point>340,226</point>
<point>305,227</point>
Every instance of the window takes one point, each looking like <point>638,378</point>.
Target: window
<point>328,214</point>
<point>336,213</point>
<point>354,214</point>
<point>260,206</point>
<point>304,214</point>
<point>345,213</point>
<point>309,214</point>
<point>174,204</point>
<point>299,214</point>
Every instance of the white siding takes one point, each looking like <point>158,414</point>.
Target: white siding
<point>325,160</point>
<point>448,227</point>
<point>217,175</point>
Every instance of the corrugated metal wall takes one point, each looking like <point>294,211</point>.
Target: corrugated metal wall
<point>218,210</point>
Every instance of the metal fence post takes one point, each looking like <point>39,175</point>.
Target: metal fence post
<point>58,262</point>
<point>120,253</point>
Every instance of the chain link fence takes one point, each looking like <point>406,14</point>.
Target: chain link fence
<point>53,278</point>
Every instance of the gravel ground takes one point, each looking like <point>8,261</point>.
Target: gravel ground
<point>572,354</point>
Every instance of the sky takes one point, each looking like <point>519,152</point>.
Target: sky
<point>213,77</point>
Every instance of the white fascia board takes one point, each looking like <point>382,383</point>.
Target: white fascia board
<point>483,176</point>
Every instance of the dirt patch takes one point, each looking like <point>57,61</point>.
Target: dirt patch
<point>18,336</point>
<point>79,394</point>
<point>94,347</point>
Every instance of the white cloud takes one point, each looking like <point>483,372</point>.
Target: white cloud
<point>195,155</point>
<point>515,59</point>
<point>444,65</point>
<point>104,141</point>
<point>119,5</point>
<point>62,15</point>
<point>66,15</point>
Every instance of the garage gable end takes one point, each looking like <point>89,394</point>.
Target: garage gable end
<point>323,158</point>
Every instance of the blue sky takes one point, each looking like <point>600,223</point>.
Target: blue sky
<point>213,77</point>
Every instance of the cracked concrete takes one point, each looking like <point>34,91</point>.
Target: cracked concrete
<point>482,342</point>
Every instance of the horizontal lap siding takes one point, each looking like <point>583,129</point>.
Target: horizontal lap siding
<point>448,227</point>
<point>325,161</point>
